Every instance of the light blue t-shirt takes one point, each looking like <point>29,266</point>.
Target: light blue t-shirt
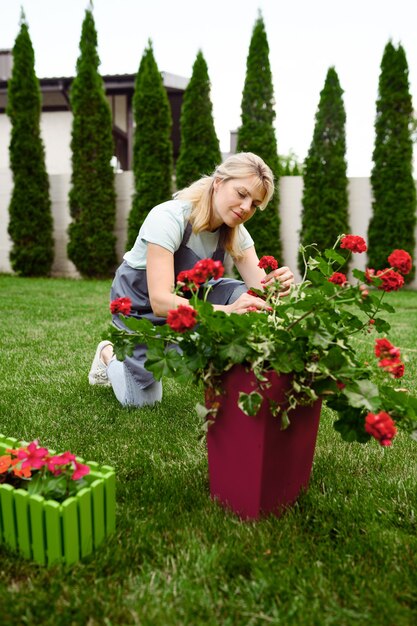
<point>165,225</point>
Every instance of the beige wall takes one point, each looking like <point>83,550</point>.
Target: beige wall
<point>290,210</point>
<point>56,136</point>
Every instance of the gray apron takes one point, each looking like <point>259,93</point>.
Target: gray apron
<point>132,283</point>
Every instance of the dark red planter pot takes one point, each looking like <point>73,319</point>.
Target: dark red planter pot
<point>255,467</point>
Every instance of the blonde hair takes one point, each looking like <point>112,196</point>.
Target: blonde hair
<point>200,193</point>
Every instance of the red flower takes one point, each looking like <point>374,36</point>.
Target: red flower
<point>381,426</point>
<point>184,279</point>
<point>337,278</point>
<point>401,261</point>
<point>268,262</point>
<point>33,456</point>
<point>203,270</point>
<point>181,319</point>
<point>121,305</point>
<point>207,268</point>
<point>354,243</point>
<point>393,366</point>
<point>391,281</point>
<point>385,349</point>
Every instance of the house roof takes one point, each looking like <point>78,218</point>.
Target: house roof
<point>114,84</point>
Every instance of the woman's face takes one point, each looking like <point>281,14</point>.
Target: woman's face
<point>235,201</point>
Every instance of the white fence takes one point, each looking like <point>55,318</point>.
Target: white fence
<point>290,211</point>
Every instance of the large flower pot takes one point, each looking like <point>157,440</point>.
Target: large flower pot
<point>50,532</point>
<point>255,467</point>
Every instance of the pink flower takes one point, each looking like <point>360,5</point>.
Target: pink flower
<point>369,275</point>
<point>268,263</point>
<point>354,243</point>
<point>33,456</point>
<point>61,459</point>
<point>80,470</point>
<point>337,278</point>
<point>381,426</point>
<point>401,261</point>
<point>181,319</point>
<point>121,305</point>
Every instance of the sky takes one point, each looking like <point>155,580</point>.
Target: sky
<point>305,38</point>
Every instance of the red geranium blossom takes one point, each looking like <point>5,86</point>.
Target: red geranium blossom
<point>401,261</point>
<point>391,281</point>
<point>384,349</point>
<point>203,270</point>
<point>207,268</point>
<point>393,366</point>
<point>354,243</point>
<point>381,426</point>
<point>121,305</point>
<point>268,263</point>
<point>181,319</point>
<point>338,278</point>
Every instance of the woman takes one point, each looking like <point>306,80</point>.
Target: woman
<point>204,220</point>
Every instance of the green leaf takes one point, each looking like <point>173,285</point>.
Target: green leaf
<point>351,426</point>
<point>363,394</point>
<point>236,351</point>
<point>250,403</point>
<point>332,255</point>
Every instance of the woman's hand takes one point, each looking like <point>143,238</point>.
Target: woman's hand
<point>285,277</point>
<point>246,303</point>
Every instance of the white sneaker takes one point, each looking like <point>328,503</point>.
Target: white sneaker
<point>98,372</point>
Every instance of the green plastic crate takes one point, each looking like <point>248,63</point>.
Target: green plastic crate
<point>50,532</point>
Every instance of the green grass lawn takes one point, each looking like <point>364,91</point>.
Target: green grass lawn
<point>345,554</point>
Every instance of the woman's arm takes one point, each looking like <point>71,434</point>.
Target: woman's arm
<point>254,276</point>
<point>161,280</point>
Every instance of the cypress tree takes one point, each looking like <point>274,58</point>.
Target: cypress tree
<point>257,134</point>
<point>30,225</point>
<point>92,196</point>
<point>152,147</point>
<point>199,147</point>
<point>325,196</point>
<point>393,220</point>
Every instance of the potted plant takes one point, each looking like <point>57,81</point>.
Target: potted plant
<point>54,508</point>
<point>282,364</point>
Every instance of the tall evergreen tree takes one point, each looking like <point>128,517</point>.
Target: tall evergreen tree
<point>152,148</point>
<point>257,134</point>
<point>30,225</point>
<point>393,221</point>
<point>199,148</point>
<point>92,196</point>
<point>325,197</point>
